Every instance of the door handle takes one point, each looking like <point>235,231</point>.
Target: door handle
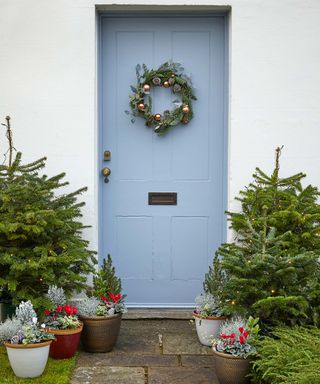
<point>106,173</point>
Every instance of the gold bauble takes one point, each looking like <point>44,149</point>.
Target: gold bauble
<point>185,109</point>
<point>146,88</point>
<point>141,106</point>
<point>166,84</point>
<point>157,117</point>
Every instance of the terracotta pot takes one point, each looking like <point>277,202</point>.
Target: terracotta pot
<point>66,344</point>
<point>100,333</point>
<point>28,360</point>
<point>231,369</point>
<point>207,327</point>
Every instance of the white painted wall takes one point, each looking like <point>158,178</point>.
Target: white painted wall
<point>48,86</point>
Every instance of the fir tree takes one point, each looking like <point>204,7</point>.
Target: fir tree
<point>106,281</point>
<point>40,231</point>
<point>272,267</point>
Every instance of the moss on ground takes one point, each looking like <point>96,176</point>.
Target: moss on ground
<point>57,371</point>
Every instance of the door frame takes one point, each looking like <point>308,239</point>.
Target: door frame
<point>116,11</point>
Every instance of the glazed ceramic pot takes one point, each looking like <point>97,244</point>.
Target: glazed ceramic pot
<point>28,360</point>
<point>207,327</point>
<point>66,344</point>
<point>231,369</point>
<point>100,333</point>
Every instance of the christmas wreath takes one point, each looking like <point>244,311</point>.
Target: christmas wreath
<point>168,75</point>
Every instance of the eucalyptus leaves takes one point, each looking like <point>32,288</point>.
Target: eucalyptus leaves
<point>168,75</point>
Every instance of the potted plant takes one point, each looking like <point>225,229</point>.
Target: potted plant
<point>27,344</point>
<point>208,317</point>
<point>101,313</point>
<point>233,348</point>
<point>62,321</point>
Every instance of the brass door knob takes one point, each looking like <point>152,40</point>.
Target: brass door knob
<point>106,171</point>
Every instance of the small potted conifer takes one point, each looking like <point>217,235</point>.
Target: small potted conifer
<point>102,312</point>
<point>62,321</point>
<point>208,317</point>
<point>26,342</point>
<point>210,312</point>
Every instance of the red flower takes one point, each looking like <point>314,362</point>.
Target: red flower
<point>232,336</point>
<point>242,339</point>
<point>245,333</point>
<point>223,336</point>
<point>59,309</point>
<point>103,298</point>
<point>69,309</point>
<point>75,310</point>
<point>241,329</point>
<point>115,298</point>
<point>47,312</point>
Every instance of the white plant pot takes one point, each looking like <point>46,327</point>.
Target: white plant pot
<point>28,360</point>
<point>207,328</point>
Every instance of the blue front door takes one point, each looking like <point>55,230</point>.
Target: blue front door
<point>161,252</point>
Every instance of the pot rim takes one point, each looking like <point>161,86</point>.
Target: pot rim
<point>25,346</point>
<point>227,355</point>
<point>65,332</point>
<point>100,318</point>
<point>209,317</point>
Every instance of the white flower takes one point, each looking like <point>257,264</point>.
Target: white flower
<point>34,320</point>
<point>111,311</point>
<point>43,325</point>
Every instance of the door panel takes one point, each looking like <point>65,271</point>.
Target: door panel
<point>162,252</point>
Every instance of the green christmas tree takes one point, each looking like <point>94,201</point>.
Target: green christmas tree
<point>41,240</point>
<point>272,268</point>
<point>106,281</point>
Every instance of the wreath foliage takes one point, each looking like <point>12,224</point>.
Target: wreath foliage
<point>169,75</point>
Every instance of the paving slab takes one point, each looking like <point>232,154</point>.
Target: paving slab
<point>111,359</point>
<point>152,352</point>
<point>137,342</point>
<point>182,375</point>
<point>198,361</point>
<point>103,375</point>
<point>187,344</point>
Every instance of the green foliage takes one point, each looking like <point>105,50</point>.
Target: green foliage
<point>57,371</point>
<point>215,281</point>
<point>40,233</point>
<point>272,268</point>
<point>207,305</point>
<point>106,281</point>
<point>291,356</point>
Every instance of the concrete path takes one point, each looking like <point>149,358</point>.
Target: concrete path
<point>150,352</point>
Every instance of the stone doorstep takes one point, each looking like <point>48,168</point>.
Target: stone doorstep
<point>158,313</point>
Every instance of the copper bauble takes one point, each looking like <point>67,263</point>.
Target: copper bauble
<point>157,117</point>
<point>141,106</point>
<point>166,84</point>
<point>185,120</point>
<point>185,109</point>
<point>146,88</point>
